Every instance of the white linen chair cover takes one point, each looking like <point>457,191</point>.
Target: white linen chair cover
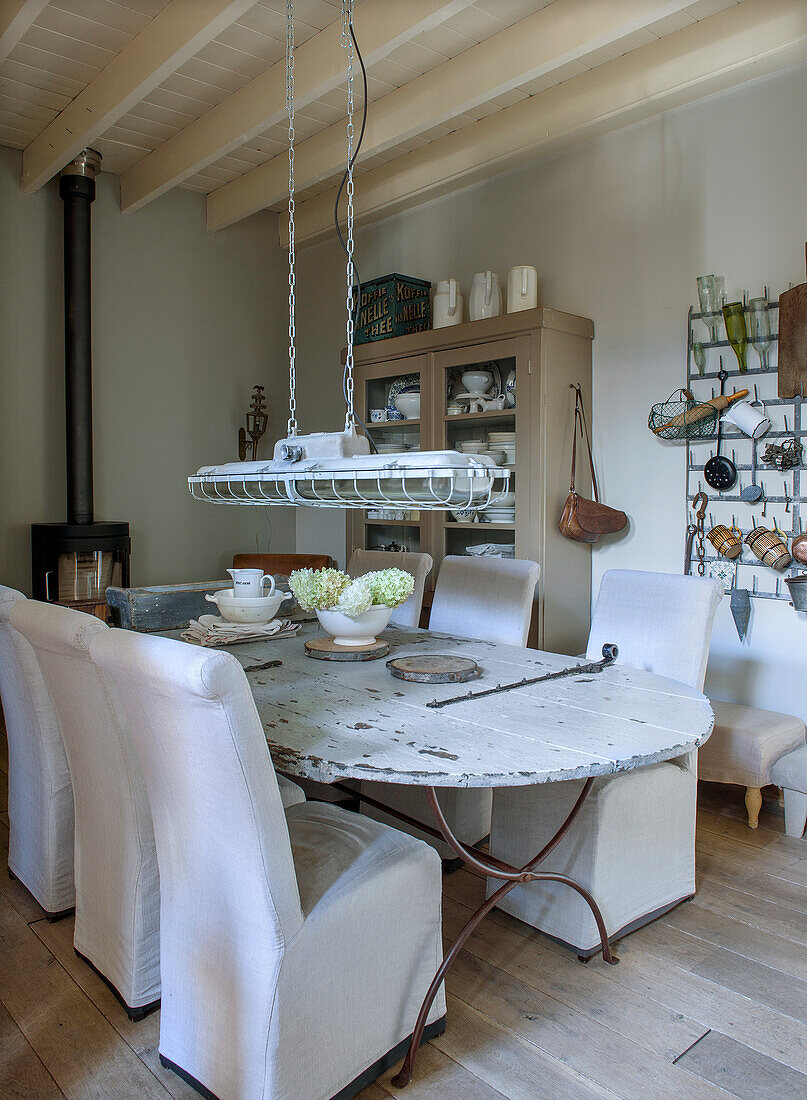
<point>419,565</point>
<point>490,600</point>
<point>117,884</point>
<point>40,794</point>
<point>296,949</point>
<point>633,844</point>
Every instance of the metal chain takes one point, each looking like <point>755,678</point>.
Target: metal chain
<point>347,43</point>
<point>292,425</point>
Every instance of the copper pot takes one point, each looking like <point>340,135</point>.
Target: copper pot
<point>798,548</point>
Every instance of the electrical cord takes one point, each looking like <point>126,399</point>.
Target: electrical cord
<point>357,292</point>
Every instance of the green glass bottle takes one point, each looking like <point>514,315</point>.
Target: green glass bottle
<point>737,333</point>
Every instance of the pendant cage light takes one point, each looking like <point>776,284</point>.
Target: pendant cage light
<point>336,469</point>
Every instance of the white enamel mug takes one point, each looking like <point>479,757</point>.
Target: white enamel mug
<point>249,583</point>
<point>522,289</point>
<point>447,307</point>
<point>749,420</point>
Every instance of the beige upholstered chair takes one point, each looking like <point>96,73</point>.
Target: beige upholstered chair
<point>633,843</point>
<point>745,744</point>
<point>419,565</point>
<point>40,794</point>
<point>486,599</point>
<point>296,949</point>
<point>790,773</point>
<point>117,884</point>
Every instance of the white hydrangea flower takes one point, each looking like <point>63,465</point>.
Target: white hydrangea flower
<point>390,587</point>
<point>355,599</point>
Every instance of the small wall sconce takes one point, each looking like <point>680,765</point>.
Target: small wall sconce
<point>257,420</point>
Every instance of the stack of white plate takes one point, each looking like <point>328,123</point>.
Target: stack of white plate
<point>471,446</point>
<point>505,442</point>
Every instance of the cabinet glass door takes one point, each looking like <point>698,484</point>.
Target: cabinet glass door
<point>477,391</point>
<point>394,401</point>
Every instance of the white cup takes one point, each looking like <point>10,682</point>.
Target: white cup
<point>522,289</point>
<point>749,420</point>
<point>447,307</point>
<point>248,583</point>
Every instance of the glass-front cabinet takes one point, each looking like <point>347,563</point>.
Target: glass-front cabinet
<point>499,387</point>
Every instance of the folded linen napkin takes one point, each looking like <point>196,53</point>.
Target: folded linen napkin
<point>212,630</point>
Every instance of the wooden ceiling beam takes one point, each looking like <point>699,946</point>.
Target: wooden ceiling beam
<point>16,16</point>
<point>175,34</point>
<point>319,67</point>
<point>552,37</point>
<point>751,39</point>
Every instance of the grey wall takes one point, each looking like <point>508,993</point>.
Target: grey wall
<point>185,322</point>
<point>619,229</point>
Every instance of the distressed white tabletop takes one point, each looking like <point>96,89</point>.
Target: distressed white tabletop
<point>329,721</point>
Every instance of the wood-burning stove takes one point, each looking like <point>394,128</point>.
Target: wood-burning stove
<point>74,562</point>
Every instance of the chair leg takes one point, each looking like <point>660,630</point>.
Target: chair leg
<point>795,812</point>
<point>753,804</point>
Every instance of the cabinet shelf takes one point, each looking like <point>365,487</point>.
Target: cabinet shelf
<point>393,522</point>
<point>455,526</point>
<point>385,425</point>
<point>490,414</point>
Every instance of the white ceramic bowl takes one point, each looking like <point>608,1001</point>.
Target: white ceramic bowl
<point>477,381</point>
<point>237,609</point>
<point>506,500</point>
<point>355,632</point>
<point>408,404</point>
<point>464,515</point>
<point>496,454</point>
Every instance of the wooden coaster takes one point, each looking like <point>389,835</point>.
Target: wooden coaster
<point>434,668</point>
<point>325,649</point>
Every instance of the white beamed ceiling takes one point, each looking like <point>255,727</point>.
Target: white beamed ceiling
<point>184,108</point>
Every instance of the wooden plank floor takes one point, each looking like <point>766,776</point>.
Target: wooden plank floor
<point>710,1001</point>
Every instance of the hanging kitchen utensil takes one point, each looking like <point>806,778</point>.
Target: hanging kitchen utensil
<point>793,340</point>
<point>720,472</point>
<point>682,417</point>
<point>740,608</point>
<point>752,492</point>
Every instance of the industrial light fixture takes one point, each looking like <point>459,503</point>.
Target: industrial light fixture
<point>336,469</point>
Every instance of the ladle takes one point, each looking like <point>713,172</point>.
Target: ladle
<point>752,492</point>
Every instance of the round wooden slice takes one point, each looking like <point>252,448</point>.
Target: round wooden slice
<point>325,649</point>
<point>434,668</point>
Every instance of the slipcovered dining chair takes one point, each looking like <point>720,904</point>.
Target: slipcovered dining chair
<point>419,565</point>
<point>485,599</point>
<point>297,948</point>
<point>117,927</point>
<point>40,794</point>
<point>633,843</point>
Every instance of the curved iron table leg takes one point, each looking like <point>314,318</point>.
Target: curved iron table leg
<point>512,876</point>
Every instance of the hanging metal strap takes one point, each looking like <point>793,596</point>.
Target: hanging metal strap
<point>610,652</point>
<point>292,426</point>
<point>347,43</point>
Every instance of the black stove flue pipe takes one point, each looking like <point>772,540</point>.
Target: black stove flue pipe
<point>77,189</point>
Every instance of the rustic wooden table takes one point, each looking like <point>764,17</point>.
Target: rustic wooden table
<point>337,721</point>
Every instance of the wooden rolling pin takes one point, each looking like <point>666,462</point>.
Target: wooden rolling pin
<point>701,411</point>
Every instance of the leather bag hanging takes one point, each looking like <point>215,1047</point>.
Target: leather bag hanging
<point>584,520</point>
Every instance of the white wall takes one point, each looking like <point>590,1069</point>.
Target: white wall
<point>618,229</point>
<point>184,324</point>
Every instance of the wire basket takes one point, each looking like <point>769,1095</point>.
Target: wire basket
<point>682,417</point>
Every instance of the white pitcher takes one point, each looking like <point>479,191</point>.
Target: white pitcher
<point>447,307</point>
<point>486,296</point>
<point>522,289</point>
